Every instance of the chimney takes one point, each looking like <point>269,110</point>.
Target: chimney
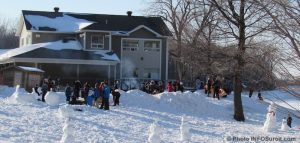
<point>129,13</point>
<point>56,9</point>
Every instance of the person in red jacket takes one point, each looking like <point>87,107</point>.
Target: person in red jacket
<point>170,87</point>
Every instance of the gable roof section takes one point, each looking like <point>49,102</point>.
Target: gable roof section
<point>58,50</point>
<point>101,22</point>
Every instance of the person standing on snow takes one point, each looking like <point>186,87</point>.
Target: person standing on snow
<point>289,121</point>
<point>77,86</point>
<point>170,87</point>
<point>250,91</point>
<point>68,92</point>
<point>116,94</point>
<point>96,95</point>
<point>216,86</point>
<point>44,90</point>
<point>106,93</point>
<point>86,89</point>
<point>36,89</point>
<point>198,84</point>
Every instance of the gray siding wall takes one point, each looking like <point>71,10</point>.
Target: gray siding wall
<point>88,40</point>
<point>164,59</point>
<point>49,37</point>
<point>141,59</point>
<point>116,48</point>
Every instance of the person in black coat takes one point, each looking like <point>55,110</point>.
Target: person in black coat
<point>250,92</point>
<point>216,86</point>
<point>86,89</point>
<point>44,90</point>
<point>68,92</point>
<point>77,86</point>
<point>289,121</point>
<point>36,89</point>
<point>116,96</point>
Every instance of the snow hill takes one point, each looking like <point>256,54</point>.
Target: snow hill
<point>208,120</point>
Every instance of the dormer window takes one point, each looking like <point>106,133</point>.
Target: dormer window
<point>97,42</point>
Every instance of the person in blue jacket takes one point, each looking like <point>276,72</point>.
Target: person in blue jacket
<point>96,95</point>
<point>106,93</point>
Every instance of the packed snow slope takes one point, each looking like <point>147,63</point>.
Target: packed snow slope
<point>209,120</point>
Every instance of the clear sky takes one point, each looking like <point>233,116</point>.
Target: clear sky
<point>11,9</point>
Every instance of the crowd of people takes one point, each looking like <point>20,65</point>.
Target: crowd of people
<point>97,96</point>
<point>217,87</point>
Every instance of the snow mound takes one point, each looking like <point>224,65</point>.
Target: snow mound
<point>184,130</point>
<point>6,91</point>
<point>270,123</point>
<point>68,131</point>
<point>284,126</point>
<point>154,133</point>
<point>175,102</point>
<point>54,99</point>
<point>21,96</point>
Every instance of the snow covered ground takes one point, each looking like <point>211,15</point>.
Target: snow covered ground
<point>208,119</point>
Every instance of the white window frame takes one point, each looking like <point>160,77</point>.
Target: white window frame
<point>131,49</point>
<point>152,49</point>
<point>97,44</point>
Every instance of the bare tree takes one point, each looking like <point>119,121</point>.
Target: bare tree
<point>245,20</point>
<point>7,34</point>
<point>177,14</point>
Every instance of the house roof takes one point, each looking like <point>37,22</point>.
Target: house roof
<point>45,21</point>
<point>70,50</point>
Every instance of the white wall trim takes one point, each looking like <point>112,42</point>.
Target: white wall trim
<point>143,26</point>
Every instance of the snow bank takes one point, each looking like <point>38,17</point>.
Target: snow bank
<point>187,103</point>
<point>54,99</point>
<point>21,96</point>
<point>6,91</point>
<point>65,23</point>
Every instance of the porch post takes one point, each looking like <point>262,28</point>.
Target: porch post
<point>108,74</point>
<point>115,72</point>
<point>77,71</point>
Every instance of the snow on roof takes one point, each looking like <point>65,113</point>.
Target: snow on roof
<point>58,45</point>
<point>3,50</point>
<point>65,23</point>
<point>30,69</point>
<point>108,55</point>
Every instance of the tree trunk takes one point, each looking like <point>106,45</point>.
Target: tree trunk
<point>238,106</point>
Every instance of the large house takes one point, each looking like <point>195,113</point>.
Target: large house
<point>90,47</point>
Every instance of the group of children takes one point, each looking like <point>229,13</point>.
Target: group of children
<point>97,96</point>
